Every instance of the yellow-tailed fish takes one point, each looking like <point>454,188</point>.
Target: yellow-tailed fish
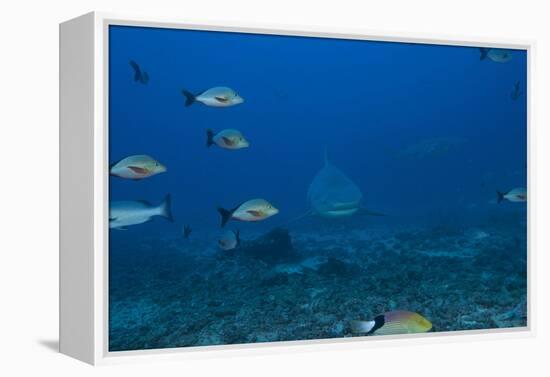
<point>252,210</point>
<point>137,167</point>
<point>519,194</point>
<point>220,96</point>
<point>227,139</point>
<point>392,323</point>
<point>229,240</point>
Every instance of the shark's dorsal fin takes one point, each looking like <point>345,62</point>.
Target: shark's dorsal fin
<point>327,161</point>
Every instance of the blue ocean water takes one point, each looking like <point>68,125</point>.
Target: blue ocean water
<point>428,133</point>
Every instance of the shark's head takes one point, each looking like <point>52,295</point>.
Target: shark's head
<point>332,194</point>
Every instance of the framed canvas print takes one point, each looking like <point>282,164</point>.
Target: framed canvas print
<point>225,187</point>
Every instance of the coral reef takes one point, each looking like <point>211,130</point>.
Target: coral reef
<point>171,293</point>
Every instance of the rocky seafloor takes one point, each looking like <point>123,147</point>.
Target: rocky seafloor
<point>171,292</point>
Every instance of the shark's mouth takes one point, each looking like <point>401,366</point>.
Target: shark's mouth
<point>340,209</point>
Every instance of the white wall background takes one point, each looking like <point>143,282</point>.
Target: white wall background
<point>29,188</point>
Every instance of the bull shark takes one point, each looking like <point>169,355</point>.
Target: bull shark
<point>333,195</point>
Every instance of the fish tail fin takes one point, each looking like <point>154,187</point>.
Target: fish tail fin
<point>500,196</point>
<point>362,327</point>
<point>379,321</point>
<point>225,214</point>
<point>237,234</point>
<point>137,71</point>
<point>483,51</point>
<point>144,79</point>
<point>209,137</point>
<point>166,208</point>
<point>189,98</point>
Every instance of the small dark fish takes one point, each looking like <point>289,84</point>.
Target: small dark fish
<point>139,75</point>
<point>187,231</point>
<point>516,92</point>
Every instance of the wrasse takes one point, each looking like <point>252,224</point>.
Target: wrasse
<point>392,323</point>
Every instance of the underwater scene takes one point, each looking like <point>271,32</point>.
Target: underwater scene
<point>272,188</point>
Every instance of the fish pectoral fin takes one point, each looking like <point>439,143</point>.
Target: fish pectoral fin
<point>227,141</point>
<point>221,99</point>
<point>138,169</point>
<point>255,213</point>
<point>120,228</point>
<point>112,219</point>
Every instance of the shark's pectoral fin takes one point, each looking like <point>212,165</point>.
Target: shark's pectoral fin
<point>367,212</point>
<point>309,213</point>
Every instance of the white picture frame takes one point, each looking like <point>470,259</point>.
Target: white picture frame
<point>84,191</point>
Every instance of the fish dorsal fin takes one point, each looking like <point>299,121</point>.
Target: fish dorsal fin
<point>114,163</point>
<point>327,160</point>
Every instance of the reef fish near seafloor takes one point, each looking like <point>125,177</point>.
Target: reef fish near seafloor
<point>229,240</point>
<point>393,323</point>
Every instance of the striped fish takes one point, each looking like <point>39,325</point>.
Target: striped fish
<point>393,323</point>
